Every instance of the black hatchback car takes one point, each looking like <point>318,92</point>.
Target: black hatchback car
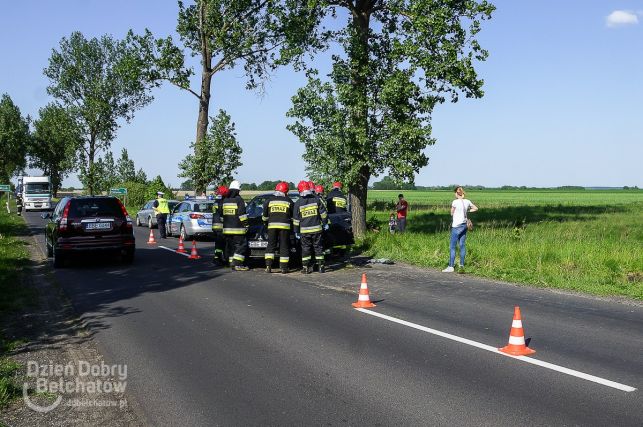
<point>338,235</point>
<point>88,223</point>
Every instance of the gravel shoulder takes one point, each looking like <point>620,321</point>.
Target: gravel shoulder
<point>54,336</point>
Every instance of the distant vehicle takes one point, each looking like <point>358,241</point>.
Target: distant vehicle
<point>35,192</point>
<point>86,224</point>
<point>339,233</point>
<point>147,216</point>
<point>191,218</point>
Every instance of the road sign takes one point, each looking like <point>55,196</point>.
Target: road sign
<point>118,191</point>
<point>5,187</point>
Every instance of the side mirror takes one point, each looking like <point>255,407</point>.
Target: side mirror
<point>45,215</point>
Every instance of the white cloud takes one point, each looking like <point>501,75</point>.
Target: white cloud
<point>619,18</point>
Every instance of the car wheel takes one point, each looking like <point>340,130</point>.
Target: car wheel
<point>59,259</point>
<point>184,235</point>
<point>149,222</point>
<point>128,256</point>
<point>138,221</point>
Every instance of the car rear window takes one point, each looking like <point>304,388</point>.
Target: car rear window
<point>81,208</point>
<point>203,207</point>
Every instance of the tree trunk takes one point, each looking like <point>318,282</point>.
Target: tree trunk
<point>204,99</point>
<point>359,118</point>
<point>90,165</point>
<point>358,197</point>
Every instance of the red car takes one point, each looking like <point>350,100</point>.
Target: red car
<point>88,223</point>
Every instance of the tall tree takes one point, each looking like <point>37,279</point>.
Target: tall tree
<point>125,169</point>
<point>223,34</point>
<point>100,81</point>
<point>218,158</point>
<point>400,59</point>
<point>55,140</point>
<point>14,139</point>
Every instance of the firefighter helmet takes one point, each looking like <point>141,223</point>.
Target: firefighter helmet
<point>302,186</point>
<point>235,185</point>
<point>337,184</point>
<point>311,186</point>
<point>222,190</point>
<point>319,189</point>
<point>282,187</point>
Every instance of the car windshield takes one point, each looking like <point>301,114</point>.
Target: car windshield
<point>81,208</point>
<point>37,188</point>
<point>202,207</point>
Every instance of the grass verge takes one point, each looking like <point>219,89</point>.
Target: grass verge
<point>13,295</point>
<point>593,249</point>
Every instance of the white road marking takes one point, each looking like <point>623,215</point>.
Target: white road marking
<point>486,347</point>
<point>173,250</point>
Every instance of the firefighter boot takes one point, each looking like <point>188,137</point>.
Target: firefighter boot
<point>322,269</point>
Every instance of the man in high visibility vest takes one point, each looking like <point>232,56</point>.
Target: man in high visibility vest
<point>161,209</point>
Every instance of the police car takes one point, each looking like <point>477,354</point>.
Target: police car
<point>191,218</point>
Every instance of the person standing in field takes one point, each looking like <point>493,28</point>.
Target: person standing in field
<point>459,208</point>
<point>402,208</point>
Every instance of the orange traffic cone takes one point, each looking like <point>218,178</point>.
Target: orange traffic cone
<point>193,253</point>
<point>517,346</point>
<point>151,240</point>
<point>364,301</point>
<point>181,248</point>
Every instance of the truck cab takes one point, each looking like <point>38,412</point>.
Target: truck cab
<point>36,192</point>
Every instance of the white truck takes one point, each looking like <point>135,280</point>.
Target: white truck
<point>36,192</point>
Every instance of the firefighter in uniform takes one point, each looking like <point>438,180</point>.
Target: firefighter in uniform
<point>220,257</point>
<point>336,200</point>
<point>310,219</point>
<point>161,209</point>
<point>277,214</point>
<point>235,224</point>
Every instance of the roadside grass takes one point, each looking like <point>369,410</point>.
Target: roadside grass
<point>592,248</point>
<point>13,296</point>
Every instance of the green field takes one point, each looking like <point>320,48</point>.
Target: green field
<point>589,241</point>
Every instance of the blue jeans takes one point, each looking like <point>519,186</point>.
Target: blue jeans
<point>458,236</point>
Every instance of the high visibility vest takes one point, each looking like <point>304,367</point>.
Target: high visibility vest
<point>163,207</point>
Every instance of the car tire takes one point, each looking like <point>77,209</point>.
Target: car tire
<point>149,222</point>
<point>59,259</point>
<point>138,221</point>
<point>184,234</point>
<point>128,256</point>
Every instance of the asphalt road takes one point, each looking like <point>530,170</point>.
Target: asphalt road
<point>214,347</point>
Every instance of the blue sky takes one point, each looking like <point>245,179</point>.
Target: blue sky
<point>563,98</point>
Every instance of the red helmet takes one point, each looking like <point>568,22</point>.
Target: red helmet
<point>319,189</point>
<point>282,187</point>
<point>302,186</point>
<point>222,190</point>
<point>311,186</point>
<point>337,184</point>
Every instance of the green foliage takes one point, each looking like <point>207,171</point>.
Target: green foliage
<point>14,139</point>
<point>55,142</point>
<point>249,186</point>
<point>217,157</point>
<point>99,81</point>
<point>125,169</point>
<point>388,183</point>
<point>400,59</point>
<point>187,185</point>
<point>155,185</point>
<point>137,193</point>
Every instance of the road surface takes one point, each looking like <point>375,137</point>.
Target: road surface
<point>214,347</point>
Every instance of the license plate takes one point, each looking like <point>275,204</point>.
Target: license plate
<point>98,226</point>
<point>258,244</point>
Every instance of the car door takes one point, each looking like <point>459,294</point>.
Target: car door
<point>174,219</point>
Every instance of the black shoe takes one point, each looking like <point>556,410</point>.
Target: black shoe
<point>284,271</point>
<point>306,270</point>
<point>322,269</point>
<point>268,269</point>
